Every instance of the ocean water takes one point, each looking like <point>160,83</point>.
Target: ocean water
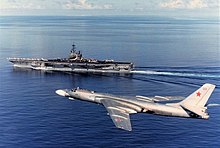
<point>171,56</point>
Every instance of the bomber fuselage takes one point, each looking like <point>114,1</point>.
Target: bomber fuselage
<point>136,104</point>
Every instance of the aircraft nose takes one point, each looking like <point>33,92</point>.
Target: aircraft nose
<point>61,93</point>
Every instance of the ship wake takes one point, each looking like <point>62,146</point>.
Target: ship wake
<point>178,74</point>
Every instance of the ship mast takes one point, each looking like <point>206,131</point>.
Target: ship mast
<point>75,55</point>
<point>73,48</point>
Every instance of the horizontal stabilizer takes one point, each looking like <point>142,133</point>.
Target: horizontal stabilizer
<point>200,111</point>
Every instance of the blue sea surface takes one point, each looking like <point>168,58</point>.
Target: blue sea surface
<point>172,57</point>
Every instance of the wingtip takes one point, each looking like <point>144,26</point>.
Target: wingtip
<point>209,84</point>
<point>125,128</point>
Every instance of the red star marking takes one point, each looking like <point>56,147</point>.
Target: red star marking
<point>118,120</point>
<point>198,94</point>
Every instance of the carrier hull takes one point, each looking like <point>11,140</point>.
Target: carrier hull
<point>67,65</point>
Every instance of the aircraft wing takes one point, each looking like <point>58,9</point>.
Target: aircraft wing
<point>119,116</point>
<point>168,98</point>
<point>160,98</point>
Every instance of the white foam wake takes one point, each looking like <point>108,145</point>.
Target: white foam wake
<point>213,105</point>
<point>149,72</point>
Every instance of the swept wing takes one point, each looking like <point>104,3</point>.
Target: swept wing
<point>118,113</point>
<point>160,98</point>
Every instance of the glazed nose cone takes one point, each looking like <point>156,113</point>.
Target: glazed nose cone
<point>61,93</point>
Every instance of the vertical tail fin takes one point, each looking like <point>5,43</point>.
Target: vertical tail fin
<point>200,97</point>
<point>197,100</point>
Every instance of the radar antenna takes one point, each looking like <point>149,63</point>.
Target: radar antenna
<point>73,48</point>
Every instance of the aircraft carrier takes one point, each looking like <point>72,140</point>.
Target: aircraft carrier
<point>75,63</point>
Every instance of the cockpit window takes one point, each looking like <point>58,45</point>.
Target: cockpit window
<point>73,90</point>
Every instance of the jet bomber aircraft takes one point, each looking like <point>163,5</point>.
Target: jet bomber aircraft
<point>119,108</point>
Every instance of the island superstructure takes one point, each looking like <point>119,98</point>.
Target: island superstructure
<point>74,63</point>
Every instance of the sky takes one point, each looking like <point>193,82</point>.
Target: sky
<point>169,8</point>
